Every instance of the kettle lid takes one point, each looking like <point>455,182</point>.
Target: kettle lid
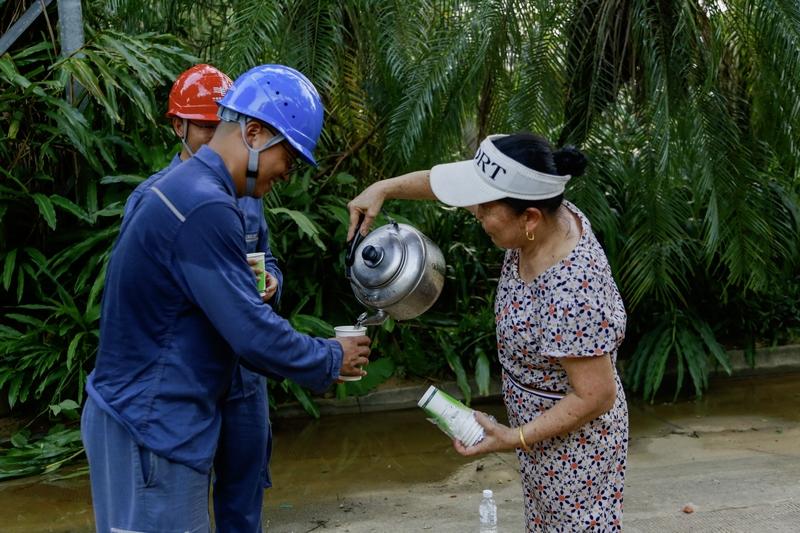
<point>379,258</point>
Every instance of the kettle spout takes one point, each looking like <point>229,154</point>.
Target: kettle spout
<point>375,319</point>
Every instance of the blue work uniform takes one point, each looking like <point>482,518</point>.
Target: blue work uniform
<point>180,310</point>
<point>241,463</point>
<point>136,196</point>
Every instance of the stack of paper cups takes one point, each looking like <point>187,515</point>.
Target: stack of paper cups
<point>453,417</point>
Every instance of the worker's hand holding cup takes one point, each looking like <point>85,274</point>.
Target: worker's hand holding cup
<point>355,345</point>
<point>264,282</point>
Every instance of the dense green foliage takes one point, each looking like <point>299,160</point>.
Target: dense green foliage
<point>60,208</point>
<point>688,110</point>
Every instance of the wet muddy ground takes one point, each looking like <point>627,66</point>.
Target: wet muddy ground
<point>734,456</point>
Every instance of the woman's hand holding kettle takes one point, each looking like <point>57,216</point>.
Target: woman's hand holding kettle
<point>367,204</point>
<point>412,186</point>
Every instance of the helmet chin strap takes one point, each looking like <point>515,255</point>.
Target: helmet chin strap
<point>184,136</point>
<point>252,156</point>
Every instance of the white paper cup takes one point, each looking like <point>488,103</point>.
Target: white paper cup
<point>261,280</point>
<point>350,331</point>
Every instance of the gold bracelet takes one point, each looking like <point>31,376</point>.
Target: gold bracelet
<point>522,441</point>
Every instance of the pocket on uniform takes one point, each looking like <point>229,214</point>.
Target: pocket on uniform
<point>266,477</point>
<point>147,465</point>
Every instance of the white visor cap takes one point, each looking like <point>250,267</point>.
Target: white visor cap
<point>490,176</point>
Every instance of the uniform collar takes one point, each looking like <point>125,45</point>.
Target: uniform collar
<point>176,160</point>
<point>212,160</point>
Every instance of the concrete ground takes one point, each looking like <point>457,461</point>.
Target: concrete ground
<point>733,458</point>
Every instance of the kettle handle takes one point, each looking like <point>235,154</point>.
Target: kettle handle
<point>352,244</point>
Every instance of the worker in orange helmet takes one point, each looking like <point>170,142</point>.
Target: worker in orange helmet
<point>193,105</point>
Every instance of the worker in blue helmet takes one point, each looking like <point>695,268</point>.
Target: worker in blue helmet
<point>181,310</point>
<point>241,464</point>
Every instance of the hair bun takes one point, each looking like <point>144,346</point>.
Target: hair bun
<point>570,160</point>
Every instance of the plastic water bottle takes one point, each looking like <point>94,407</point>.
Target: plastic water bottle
<point>488,512</point>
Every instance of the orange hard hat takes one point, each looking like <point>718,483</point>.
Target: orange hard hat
<point>195,93</point>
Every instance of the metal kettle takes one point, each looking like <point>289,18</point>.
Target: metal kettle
<point>395,270</point>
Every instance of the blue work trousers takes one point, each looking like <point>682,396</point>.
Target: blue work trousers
<point>135,490</point>
<point>241,464</point>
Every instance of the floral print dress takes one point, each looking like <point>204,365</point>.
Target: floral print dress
<point>573,309</point>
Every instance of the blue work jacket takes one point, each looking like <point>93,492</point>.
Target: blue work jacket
<point>245,383</point>
<point>181,308</point>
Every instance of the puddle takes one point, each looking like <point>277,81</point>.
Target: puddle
<point>34,505</point>
<point>321,459</point>
<point>754,403</point>
<point>370,451</point>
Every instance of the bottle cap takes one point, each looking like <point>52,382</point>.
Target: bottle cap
<point>487,493</point>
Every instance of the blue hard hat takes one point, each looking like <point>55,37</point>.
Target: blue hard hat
<point>283,98</point>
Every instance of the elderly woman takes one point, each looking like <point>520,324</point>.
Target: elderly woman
<point>559,320</point>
